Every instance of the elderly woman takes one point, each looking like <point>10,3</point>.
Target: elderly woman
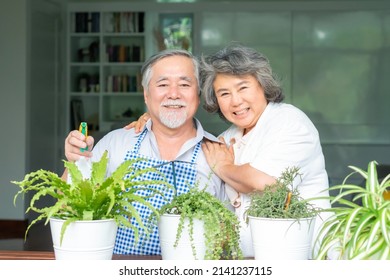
<point>266,135</point>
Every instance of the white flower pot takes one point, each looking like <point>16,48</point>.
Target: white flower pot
<point>167,226</point>
<point>89,240</point>
<point>281,239</point>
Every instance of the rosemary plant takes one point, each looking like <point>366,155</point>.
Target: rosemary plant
<point>281,200</point>
<point>95,198</point>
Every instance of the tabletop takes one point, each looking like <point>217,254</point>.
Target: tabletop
<point>38,255</point>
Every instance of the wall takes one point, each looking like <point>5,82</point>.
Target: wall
<point>29,95</point>
<point>13,113</point>
<point>13,81</point>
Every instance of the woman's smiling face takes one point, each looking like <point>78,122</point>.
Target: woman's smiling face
<point>241,99</point>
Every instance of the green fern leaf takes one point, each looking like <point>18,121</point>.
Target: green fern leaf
<point>99,169</point>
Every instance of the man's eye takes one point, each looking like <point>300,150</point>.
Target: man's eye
<point>184,85</point>
<point>162,85</point>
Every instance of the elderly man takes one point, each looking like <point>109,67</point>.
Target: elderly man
<point>171,139</point>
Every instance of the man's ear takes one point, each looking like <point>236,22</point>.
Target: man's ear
<point>145,96</point>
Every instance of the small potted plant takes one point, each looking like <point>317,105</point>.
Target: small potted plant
<point>88,202</point>
<point>358,230</point>
<point>196,225</point>
<point>281,222</point>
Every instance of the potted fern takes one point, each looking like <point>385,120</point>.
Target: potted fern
<point>358,230</point>
<point>281,222</point>
<point>101,204</point>
<point>196,225</point>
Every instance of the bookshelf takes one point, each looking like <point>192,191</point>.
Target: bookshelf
<point>106,50</point>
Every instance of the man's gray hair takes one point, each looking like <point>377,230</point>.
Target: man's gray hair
<point>146,69</point>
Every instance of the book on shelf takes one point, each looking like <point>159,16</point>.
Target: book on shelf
<point>130,22</point>
<point>125,22</point>
<point>136,54</point>
<point>81,22</point>
<point>95,22</point>
<point>123,83</point>
<point>141,21</point>
<point>117,22</point>
<point>139,82</point>
<point>138,21</point>
<point>123,53</point>
<point>87,22</point>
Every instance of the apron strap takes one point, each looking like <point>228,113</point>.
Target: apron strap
<point>138,143</point>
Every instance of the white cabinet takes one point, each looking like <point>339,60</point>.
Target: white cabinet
<point>106,50</point>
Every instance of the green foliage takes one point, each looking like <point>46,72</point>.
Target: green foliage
<point>359,231</point>
<point>220,224</point>
<point>91,199</point>
<point>281,200</point>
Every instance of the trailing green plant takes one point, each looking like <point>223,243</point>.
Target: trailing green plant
<point>94,198</point>
<point>358,231</point>
<point>281,200</point>
<point>221,225</point>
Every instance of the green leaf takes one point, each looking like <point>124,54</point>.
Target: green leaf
<point>99,169</point>
<point>361,226</point>
<point>64,226</point>
<point>74,172</point>
<point>86,191</point>
<point>369,252</point>
<point>384,224</point>
<point>372,184</point>
<point>87,215</point>
<point>373,236</point>
<point>122,170</point>
<point>385,255</point>
<point>219,222</point>
<point>349,220</point>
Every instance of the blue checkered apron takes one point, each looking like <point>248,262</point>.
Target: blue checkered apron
<point>179,173</point>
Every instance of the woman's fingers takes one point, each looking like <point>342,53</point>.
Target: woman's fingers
<point>139,124</point>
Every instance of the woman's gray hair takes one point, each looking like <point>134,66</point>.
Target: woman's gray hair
<point>146,69</point>
<point>237,60</point>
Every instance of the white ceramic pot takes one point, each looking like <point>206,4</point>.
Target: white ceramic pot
<point>89,240</point>
<point>281,239</point>
<point>167,226</point>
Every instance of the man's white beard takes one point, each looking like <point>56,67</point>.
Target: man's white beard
<point>173,119</point>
